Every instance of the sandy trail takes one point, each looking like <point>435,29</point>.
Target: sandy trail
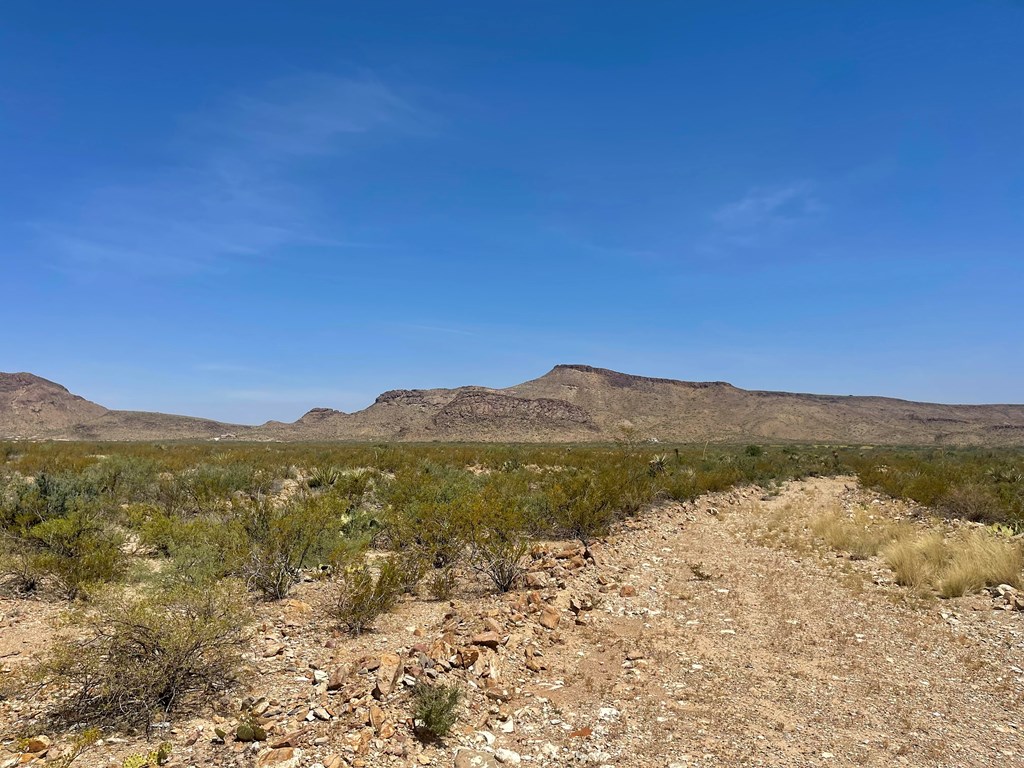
<point>787,658</point>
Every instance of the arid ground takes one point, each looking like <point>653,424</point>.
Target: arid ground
<point>718,632</point>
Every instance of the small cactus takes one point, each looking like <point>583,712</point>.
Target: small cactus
<point>250,730</point>
<point>153,759</point>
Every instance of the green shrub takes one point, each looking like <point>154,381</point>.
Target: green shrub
<point>435,708</point>
<point>500,518</point>
<point>128,660</point>
<point>578,506</point>
<point>974,502</point>
<point>73,553</point>
<point>363,595</point>
<point>427,513</point>
<point>323,477</point>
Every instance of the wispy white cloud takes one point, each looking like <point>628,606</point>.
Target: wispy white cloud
<point>234,191</point>
<point>305,115</point>
<point>763,214</point>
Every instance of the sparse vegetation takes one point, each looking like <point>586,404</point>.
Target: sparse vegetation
<point>83,521</point>
<point>366,593</point>
<point>127,660</point>
<point>435,708</point>
<point>861,536</point>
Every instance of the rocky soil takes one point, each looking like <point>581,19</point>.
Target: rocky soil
<point>692,637</point>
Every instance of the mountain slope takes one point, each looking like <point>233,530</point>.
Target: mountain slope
<point>571,403</point>
<point>34,407</point>
<point>583,403</point>
<point>31,406</point>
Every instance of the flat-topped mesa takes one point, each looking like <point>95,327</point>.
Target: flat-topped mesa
<point>617,379</point>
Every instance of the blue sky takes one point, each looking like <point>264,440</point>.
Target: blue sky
<point>244,210</point>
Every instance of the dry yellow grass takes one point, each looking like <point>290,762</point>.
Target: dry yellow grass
<point>980,559</point>
<point>916,560</point>
<point>957,565</point>
<point>928,560</point>
<point>861,536</point>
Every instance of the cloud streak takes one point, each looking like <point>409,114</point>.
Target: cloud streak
<point>763,214</point>
<point>236,190</point>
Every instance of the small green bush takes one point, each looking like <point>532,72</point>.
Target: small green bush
<point>973,502</point>
<point>363,596</point>
<point>435,708</point>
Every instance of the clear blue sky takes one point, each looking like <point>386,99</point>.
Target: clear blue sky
<point>245,209</point>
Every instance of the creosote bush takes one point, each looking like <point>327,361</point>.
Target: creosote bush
<point>283,538</point>
<point>56,533</point>
<point>125,661</point>
<point>365,593</point>
<point>435,708</point>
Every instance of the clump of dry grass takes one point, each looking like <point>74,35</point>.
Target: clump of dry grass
<point>916,561</point>
<point>958,565</point>
<point>980,559</point>
<point>861,536</point>
<point>953,566</point>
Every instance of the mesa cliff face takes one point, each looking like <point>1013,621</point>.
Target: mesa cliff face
<point>571,403</point>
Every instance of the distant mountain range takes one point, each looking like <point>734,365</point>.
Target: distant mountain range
<point>571,403</point>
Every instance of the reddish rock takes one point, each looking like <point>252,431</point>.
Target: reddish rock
<point>487,639</point>
<point>549,618</point>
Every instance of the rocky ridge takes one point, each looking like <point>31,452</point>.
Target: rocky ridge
<point>571,403</point>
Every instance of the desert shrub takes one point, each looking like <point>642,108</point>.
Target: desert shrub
<point>71,552</point>
<point>435,708</point>
<point>974,502</point>
<point>209,487</point>
<point>442,582</point>
<point>578,506</point>
<point>364,594</point>
<point>500,517</point>
<point>498,555</point>
<point>77,552</point>
<point>427,510</point>
<point>280,540</point>
<point>127,660</point>
<point>122,478</point>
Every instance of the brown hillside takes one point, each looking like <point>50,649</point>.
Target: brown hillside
<point>574,403</point>
<point>36,408</point>
<point>31,406</point>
